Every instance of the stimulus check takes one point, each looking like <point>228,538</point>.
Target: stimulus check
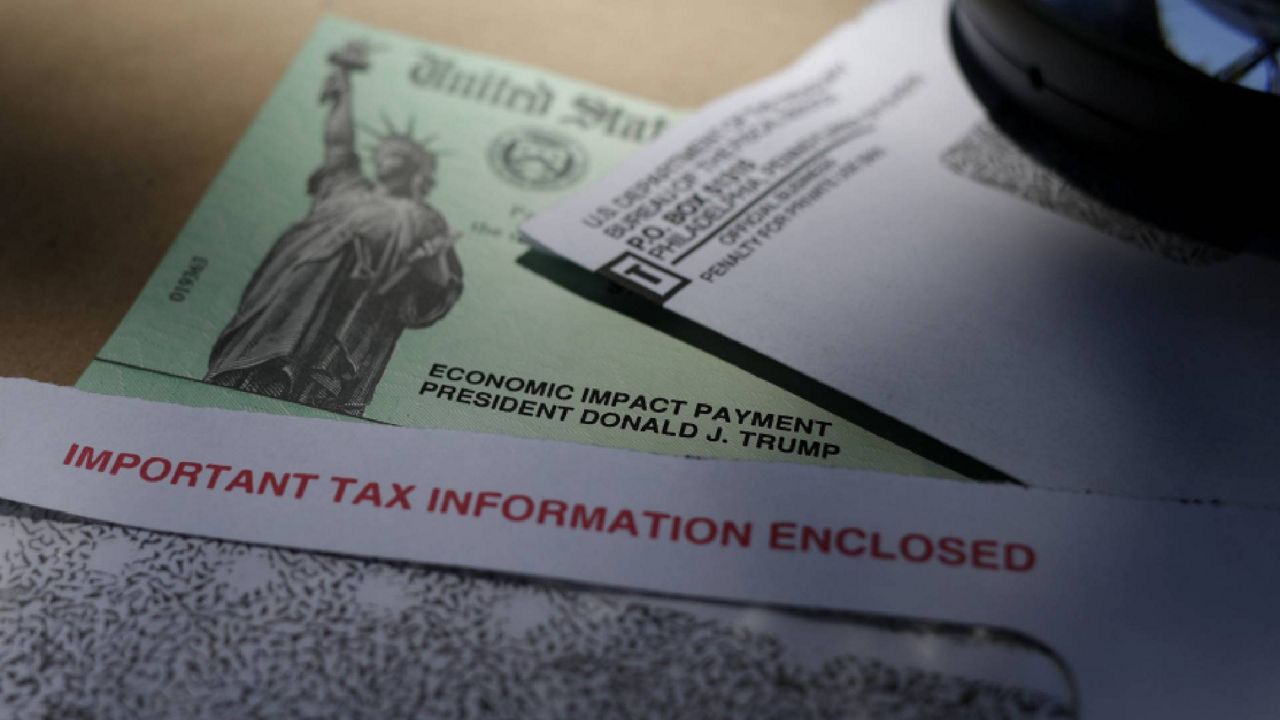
<point>858,218</point>
<point>358,257</point>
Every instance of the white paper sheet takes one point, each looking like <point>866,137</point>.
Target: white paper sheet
<point>1155,609</point>
<point>856,218</point>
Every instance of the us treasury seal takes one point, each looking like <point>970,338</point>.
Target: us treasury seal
<point>537,159</point>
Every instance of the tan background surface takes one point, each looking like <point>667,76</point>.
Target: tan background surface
<point>115,115</point>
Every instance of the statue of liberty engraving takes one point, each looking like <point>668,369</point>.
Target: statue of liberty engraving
<point>319,319</point>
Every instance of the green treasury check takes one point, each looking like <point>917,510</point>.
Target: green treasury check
<point>358,256</point>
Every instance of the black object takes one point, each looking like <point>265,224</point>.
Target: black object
<point>1100,90</point>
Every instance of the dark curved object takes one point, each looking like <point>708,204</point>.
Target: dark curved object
<point>1092,89</point>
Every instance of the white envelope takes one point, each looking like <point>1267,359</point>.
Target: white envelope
<point>1099,607</point>
<point>857,218</point>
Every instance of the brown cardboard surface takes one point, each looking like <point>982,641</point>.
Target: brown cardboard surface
<point>115,115</point>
